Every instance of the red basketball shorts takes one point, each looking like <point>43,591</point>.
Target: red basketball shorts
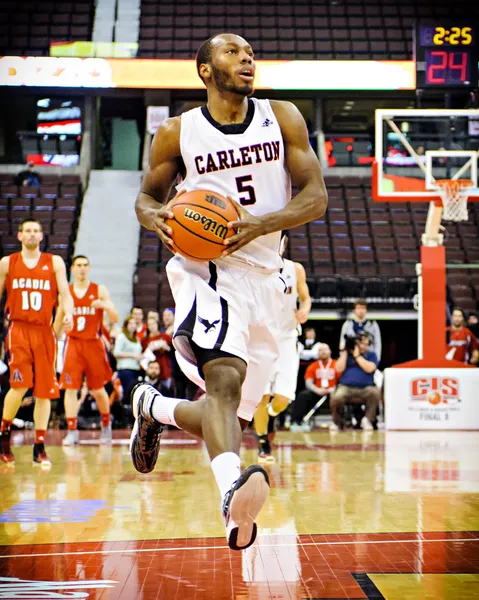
<point>32,362</point>
<point>85,358</point>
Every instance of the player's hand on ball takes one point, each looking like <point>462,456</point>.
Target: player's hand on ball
<point>301,316</point>
<point>161,214</point>
<point>67,323</point>
<point>247,227</point>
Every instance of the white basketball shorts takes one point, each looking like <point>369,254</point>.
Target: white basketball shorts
<point>286,369</point>
<point>233,309</point>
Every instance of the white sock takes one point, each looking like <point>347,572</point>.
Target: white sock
<point>226,469</point>
<point>161,407</point>
<point>271,412</point>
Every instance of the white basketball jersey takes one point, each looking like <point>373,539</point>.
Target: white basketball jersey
<point>249,166</point>
<point>288,325</point>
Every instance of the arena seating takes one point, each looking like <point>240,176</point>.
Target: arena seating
<point>359,248</point>
<point>27,28</point>
<point>365,29</point>
<point>56,204</point>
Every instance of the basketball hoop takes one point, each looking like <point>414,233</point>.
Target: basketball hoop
<point>454,195</point>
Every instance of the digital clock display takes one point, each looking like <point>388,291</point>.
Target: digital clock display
<point>446,55</point>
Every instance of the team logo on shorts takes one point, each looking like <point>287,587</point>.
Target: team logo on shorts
<point>207,325</point>
<point>17,376</point>
<point>68,379</point>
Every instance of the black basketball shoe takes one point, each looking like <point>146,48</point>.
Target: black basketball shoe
<point>264,450</point>
<point>145,437</point>
<point>40,456</point>
<point>242,504</point>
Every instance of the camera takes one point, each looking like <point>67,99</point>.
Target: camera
<point>350,342</point>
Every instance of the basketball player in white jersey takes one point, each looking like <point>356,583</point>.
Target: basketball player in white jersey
<point>282,388</point>
<point>246,149</point>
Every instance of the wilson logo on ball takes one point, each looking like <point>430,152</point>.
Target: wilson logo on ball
<point>435,390</point>
<point>211,225</point>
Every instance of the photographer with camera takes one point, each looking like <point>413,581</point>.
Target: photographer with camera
<point>358,324</point>
<point>357,364</point>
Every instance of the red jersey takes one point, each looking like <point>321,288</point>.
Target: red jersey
<point>141,332</point>
<point>323,374</point>
<point>87,320</point>
<point>462,343</point>
<point>31,293</point>
<point>162,356</point>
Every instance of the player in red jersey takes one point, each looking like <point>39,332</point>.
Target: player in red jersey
<point>462,344</point>
<point>33,281</point>
<point>85,353</point>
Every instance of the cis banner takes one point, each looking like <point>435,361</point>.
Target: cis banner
<point>431,399</point>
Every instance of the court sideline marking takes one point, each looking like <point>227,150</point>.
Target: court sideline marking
<point>196,548</point>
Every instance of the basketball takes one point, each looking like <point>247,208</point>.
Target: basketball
<point>200,224</point>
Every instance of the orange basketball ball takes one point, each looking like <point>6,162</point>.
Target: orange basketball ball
<point>200,224</point>
<point>434,397</point>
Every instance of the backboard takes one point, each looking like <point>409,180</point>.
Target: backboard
<point>416,147</point>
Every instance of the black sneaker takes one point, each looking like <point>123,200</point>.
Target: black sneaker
<point>40,456</point>
<point>242,504</point>
<point>264,450</point>
<point>145,437</point>
<point>6,455</point>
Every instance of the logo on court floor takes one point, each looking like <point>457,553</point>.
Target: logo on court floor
<point>12,587</point>
<point>435,390</point>
<point>207,325</point>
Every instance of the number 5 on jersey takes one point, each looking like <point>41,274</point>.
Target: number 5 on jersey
<point>243,187</point>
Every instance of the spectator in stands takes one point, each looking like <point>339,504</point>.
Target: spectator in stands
<point>28,178</point>
<point>308,352</point>
<point>473,323</point>
<point>420,150</point>
<point>128,352</point>
<point>358,323</point>
<point>462,344</point>
<point>320,378</point>
<point>152,377</point>
<point>152,314</point>
<point>356,364</point>
<point>160,344</point>
<point>139,316</point>
<point>309,347</point>
<point>168,317</point>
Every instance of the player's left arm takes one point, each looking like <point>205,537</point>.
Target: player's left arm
<point>303,294</point>
<point>104,301</point>
<point>58,322</point>
<point>305,170</point>
<point>4,264</point>
<point>66,300</point>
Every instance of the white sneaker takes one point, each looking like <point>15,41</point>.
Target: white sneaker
<point>106,435</point>
<point>366,424</point>
<point>299,428</point>
<point>72,438</point>
<point>333,427</point>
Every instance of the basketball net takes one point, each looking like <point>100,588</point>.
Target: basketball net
<point>454,195</point>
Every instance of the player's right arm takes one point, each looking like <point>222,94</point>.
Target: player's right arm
<point>165,164</point>
<point>4,264</point>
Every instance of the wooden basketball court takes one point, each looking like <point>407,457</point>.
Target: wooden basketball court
<point>350,515</point>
